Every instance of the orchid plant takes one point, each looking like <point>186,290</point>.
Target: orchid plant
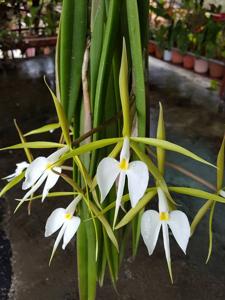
<point>100,104</point>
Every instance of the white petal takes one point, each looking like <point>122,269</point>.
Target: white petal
<point>180,228</point>
<point>56,155</point>
<point>50,182</point>
<point>34,171</point>
<point>71,228</point>
<point>125,151</point>
<point>35,187</point>
<point>150,227</point>
<point>19,169</point>
<point>119,195</point>
<point>222,193</point>
<point>163,206</point>
<point>72,206</point>
<point>21,166</point>
<point>55,221</point>
<point>138,177</point>
<point>10,177</point>
<point>107,172</point>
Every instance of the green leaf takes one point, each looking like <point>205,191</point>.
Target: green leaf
<point>161,136</point>
<point>109,42</point>
<point>210,231</point>
<point>12,183</point>
<point>90,147</point>
<point>197,193</point>
<point>52,195</point>
<point>34,145</point>
<point>23,140</point>
<point>171,147</point>
<point>140,205</point>
<point>98,16</point>
<point>137,62</point>
<point>124,92</point>
<point>43,129</point>
<point>200,214</point>
<point>220,166</point>
<point>73,31</point>
<point>61,116</point>
<point>106,225</point>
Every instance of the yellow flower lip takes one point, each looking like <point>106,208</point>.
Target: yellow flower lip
<point>68,216</point>
<point>164,216</point>
<point>124,164</point>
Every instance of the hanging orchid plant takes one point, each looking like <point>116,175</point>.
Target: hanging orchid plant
<point>100,99</point>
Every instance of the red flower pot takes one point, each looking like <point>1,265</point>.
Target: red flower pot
<point>188,61</point>
<point>151,47</point>
<point>177,57</point>
<point>216,69</point>
<point>201,66</point>
<point>158,52</point>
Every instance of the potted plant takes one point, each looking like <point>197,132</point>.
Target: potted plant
<point>160,41</point>
<point>215,51</point>
<point>178,42</point>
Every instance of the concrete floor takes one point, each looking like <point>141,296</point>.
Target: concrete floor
<point>191,120</point>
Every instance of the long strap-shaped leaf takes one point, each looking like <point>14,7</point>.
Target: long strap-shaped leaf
<point>71,51</point>
<point>106,59</point>
<point>137,63</point>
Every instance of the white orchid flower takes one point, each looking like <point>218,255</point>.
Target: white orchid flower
<point>63,218</point>
<point>137,174</point>
<point>40,170</point>
<point>152,221</point>
<point>20,167</point>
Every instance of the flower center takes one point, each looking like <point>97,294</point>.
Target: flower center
<point>164,216</point>
<point>68,216</point>
<point>124,164</point>
<point>48,166</point>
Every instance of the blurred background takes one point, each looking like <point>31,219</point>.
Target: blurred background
<point>186,55</point>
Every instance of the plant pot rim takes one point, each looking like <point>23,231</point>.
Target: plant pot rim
<point>201,58</point>
<point>215,61</point>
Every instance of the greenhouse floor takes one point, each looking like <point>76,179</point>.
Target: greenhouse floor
<point>192,120</point>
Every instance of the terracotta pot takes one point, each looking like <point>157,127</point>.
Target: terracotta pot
<point>216,69</point>
<point>151,47</point>
<point>30,52</point>
<point>177,57</point>
<point>201,66</point>
<point>167,55</point>
<point>188,61</point>
<point>158,52</point>
<point>47,50</point>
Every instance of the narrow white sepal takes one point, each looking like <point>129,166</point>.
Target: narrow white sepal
<point>163,206</point>
<point>125,151</point>
<point>51,181</point>
<point>57,241</point>
<point>119,195</point>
